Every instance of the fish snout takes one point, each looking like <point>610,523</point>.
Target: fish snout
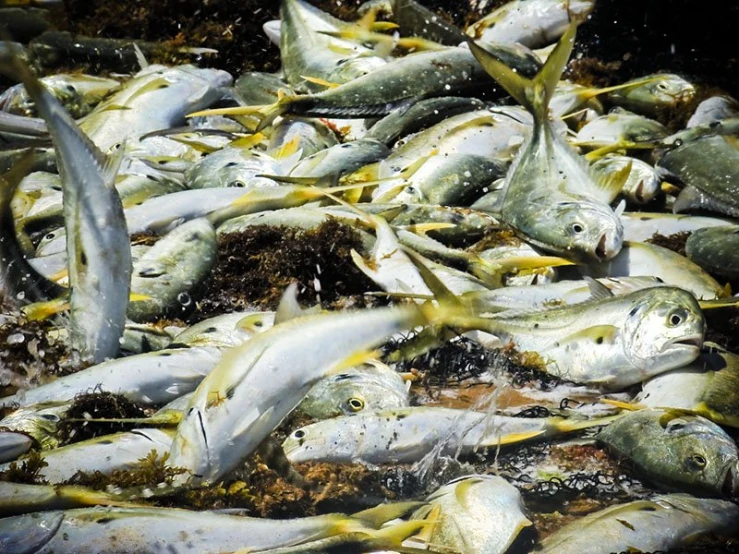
<point>608,246</point>
<point>730,486</point>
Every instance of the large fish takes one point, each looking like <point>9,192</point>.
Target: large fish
<point>549,196</point>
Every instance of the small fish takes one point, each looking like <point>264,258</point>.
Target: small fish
<point>715,108</point>
<point>232,167</point>
<point>406,435</point>
<point>78,93</point>
<point>150,378</point>
<point>243,400</point>
<point>148,529</point>
<point>121,451</point>
<point>661,523</point>
<point>640,226</point>
<point>473,515</point>
<point>620,129</point>
<point>677,450</point>
<point>549,196</point>
<point>171,268</point>
<point>643,182</point>
<point>225,330</point>
<point>38,421</point>
<point>533,23</point>
<point>653,93</point>
<point>13,445</point>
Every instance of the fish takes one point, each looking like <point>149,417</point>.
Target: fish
<point>654,93</point>
<point>22,498</point>
<point>713,109</point>
<point>157,97</point>
<point>662,522</point>
<point>371,387</point>
<point>121,451</point>
<point>706,387</point>
<point>232,167</point>
<point>37,421</point>
<point>339,160</point>
<point>407,435</point>
<point>611,342</point>
<point>225,330</point>
<point>620,129</point>
<point>146,529</point>
<point>707,166</point>
<point>641,186</point>
<point>149,379</point>
<point>676,450</point>
<point>474,514</point>
<point>13,445</point>
<point>715,250</point>
<point>644,259</point>
<point>309,55</point>
<point>97,243</point>
<point>549,197</point>
<point>78,94</point>
<point>172,268</point>
<point>413,19</point>
<point>242,400</point>
<point>533,23</point>
<point>640,226</point>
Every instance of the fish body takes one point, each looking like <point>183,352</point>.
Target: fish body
<point>653,93</point>
<point>549,196</point>
<point>150,378</point>
<point>38,421</point>
<point>232,167</point>
<point>643,183</point>
<point>660,523</point>
<point>258,383</point>
<point>715,250</point>
<point>533,23</point>
<point>611,341</point>
<point>676,450</point>
<point>225,330</point>
<point>171,268</point>
<point>715,108</point>
<point>640,226</point>
<point>479,514</point>
<point>406,435</point>
<point>157,97</point>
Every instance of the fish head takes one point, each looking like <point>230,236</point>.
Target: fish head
<point>663,329</point>
<point>643,184</point>
<point>699,455</point>
<point>301,444</point>
<point>665,90</point>
<point>581,230</point>
<point>352,68</point>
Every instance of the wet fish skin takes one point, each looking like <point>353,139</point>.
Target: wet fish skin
<point>13,445</point>
<point>38,421</point>
<point>640,226</point>
<point>475,514</point>
<point>661,523</point>
<point>643,183</point>
<point>620,127</point>
<point>715,108</point>
<point>678,451</point>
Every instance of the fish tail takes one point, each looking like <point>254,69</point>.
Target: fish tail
<point>266,113</point>
<point>534,94</point>
<point>379,515</point>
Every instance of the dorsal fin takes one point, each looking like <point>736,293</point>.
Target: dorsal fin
<point>598,291</point>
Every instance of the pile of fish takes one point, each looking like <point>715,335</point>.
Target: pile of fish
<point>494,204</point>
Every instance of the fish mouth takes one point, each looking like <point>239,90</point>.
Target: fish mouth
<point>639,192</point>
<point>690,341</point>
<point>601,252</point>
<point>730,486</point>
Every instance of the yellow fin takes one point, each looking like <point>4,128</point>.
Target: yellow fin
<point>356,358</point>
<point>248,141</point>
<point>423,228</point>
<point>139,297</point>
<point>251,322</point>
<point>630,406</point>
<point>383,513</point>
<point>513,438</point>
<point>320,82</point>
<point>568,425</point>
<point>38,311</point>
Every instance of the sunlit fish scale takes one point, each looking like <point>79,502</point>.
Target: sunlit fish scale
<point>258,383</point>
<point>232,167</point>
<point>479,514</point>
<point>150,378</point>
<point>661,523</point>
<point>406,435</point>
<point>157,97</point>
<point>549,196</point>
<point>678,451</point>
<point>145,529</point>
<point>21,498</point>
<point>715,250</point>
<point>121,451</point>
<point>533,23</point>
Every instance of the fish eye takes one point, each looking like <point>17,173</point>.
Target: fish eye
<point>697,461</point>
<point>577,228</point>
<point>50,236</point>
<point>675,318</point>
<point>356,404</point>
<point>237,183</point>
<point>299,434</point>
<point>184,299</point>
<point>661,86</point>
<point>50,417</point>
